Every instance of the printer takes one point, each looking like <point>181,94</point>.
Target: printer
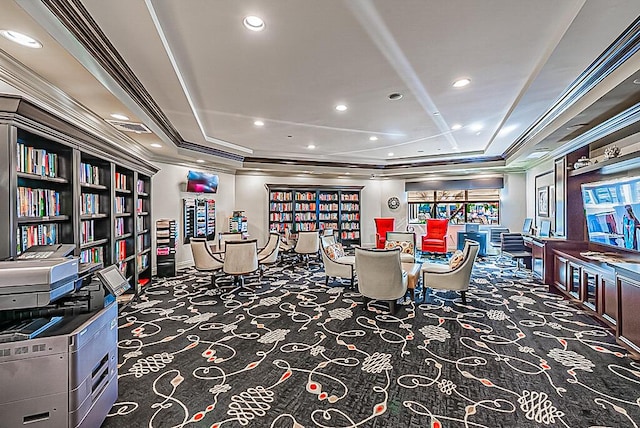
<point>58,342</point>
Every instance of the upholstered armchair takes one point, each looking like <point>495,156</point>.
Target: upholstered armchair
<point>455,275</point>
<point>240,258</point>
<point>380,276</point>
<point>336,263</point>
<point>435,241</point>
<point>307,244</point>
<point>406,241</point>
<point>225,237</point>
<point>268,255</point>
<point>204,260</point>
<point>383,225</point>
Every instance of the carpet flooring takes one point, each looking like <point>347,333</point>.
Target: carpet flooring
<point>296,353</point>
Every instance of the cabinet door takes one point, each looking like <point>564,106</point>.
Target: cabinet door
<point>608,306</point>
<point>590,284</point>
<point>560,272</point>
<point>574,280</point>
<point>629,321</point>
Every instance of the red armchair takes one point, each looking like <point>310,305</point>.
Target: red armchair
<point>435,241</point>
<point>383,225</point>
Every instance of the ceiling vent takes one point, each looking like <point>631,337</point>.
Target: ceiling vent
<point>121,125</point>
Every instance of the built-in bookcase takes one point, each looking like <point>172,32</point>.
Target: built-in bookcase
<point>297,208</point>
<point>65,186</point>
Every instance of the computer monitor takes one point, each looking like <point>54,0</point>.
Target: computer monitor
<point>545,229</point>
<point>526,227</point>
<point>471,228</point>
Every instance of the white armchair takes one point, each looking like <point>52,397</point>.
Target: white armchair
<point>336,263</point>
<point>406,241</point>
<point>268,255</point>
<point>307,244</point>
<point>240,258</point>
<point>203,259</point>
<point>380,276</point>
<point>448,277</point>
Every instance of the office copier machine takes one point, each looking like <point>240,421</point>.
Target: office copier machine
<point>58,345</point>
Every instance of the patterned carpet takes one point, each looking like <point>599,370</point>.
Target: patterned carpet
<point>299,354</point>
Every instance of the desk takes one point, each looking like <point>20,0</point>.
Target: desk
<point>480,237</point>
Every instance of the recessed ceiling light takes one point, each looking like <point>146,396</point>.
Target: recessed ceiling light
<point>636,82</point>
<point>156,145</point>
<point>341,107</point>
<point>373,138</point>
<point>395,96</point>
<point>200,160</point>
<point>253,23</point>
<point>390,154</point>
<point>311,146</point>
<point>475,127</point>
<point>347,173</point>
<point>420,151</point>
<point>456,126</point>
<point>119,116</point>
<point>436,113</point>
<point>21,39</point>
<point>258,123</point>
<point>461,83</point>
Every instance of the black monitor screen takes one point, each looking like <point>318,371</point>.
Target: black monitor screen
<point>545,229</point>
<point>526,227</point>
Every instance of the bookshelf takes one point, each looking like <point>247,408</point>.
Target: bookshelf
<point>316,208</point>
<point>64,185</point>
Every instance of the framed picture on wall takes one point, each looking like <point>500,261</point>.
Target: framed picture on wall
<point>543,201</point>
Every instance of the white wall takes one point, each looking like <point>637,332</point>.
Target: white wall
<point>541,169</point>
<point>166,202</point>
<point>514,201</point>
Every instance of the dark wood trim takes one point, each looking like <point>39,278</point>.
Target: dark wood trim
<point>623,48</point>
<point>311,187</point>
<point>478,160</point>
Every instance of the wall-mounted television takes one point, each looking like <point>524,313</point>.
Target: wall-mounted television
<point>202,182</point>
<point>611,208</point>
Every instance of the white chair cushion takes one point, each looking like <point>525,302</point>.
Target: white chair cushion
<point>435,267</point>
<point>347,260</point>
<point>407,258</point>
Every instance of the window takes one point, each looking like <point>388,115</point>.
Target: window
<point>459,206</point>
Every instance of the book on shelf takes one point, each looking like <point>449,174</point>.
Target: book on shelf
<point>140,187</point>
<point>120,230</point>
<point>38,202</point>
<point>89,204</point>
<point>36,161</point>
<point>89,174</point>
<point>87,231</point>
<point>120,204</point>
<point>95,255</point>
<point>121,181</point>
<point>41,234</point>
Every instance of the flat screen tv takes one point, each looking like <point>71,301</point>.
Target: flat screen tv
<point>202,182</point>
<point>611,208</point>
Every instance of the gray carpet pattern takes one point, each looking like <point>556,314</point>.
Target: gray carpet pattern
<point>294,353</point>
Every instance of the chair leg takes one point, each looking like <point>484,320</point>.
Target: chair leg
<point>326,280</point>
<point>464,297</point>
<point>365,303</point>
<point>392,307</point>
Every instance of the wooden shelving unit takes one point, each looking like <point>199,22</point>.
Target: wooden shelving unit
<point>66,186</point>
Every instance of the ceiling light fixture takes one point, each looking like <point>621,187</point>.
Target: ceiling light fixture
<point>311,146</point>
<point>436,113</point>
<point>258,123</point>
<point>119,116</point>
<point>461,83</point>
<point>475,127</point>
<point>341,107</point>
<point>21,39</point>
<point>456,126</point>
<point>373,138</point>
<point>253,23</point>
<point>395,96</point>
<point>200,160</point>
<point>390,154</point>
<point>156,145</point>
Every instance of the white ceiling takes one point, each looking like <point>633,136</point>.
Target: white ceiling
<point>212,78</point>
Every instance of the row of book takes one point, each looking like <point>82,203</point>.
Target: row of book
<point>280,217</point>
<point>280,227</point>
<point>350,217</point>
<point>143,262</point>
<point>87,230</point>
<point>310,216</point>
<point>120,229</point>
<point>38,202</point>
<point>328,226</point>
<point>280,206</point>
<point>328,207</point>
<point>306,207</point>
<point>140,187</point>
<point>41,234</point>
<point>140,223</point>
<point>37,161</point>
<point>349,197</point>
<point>350,207</point>
<point>120,204</point>
<point>121,250</point>
<point>89,174</point>
<point>89,204</point>
<point>95,255</point>
<point>281,196</point>
<point>351,226</point>
<point>143,242</point>
<point>328,196</point>
<point>121,181</point>
<point>328,216</point>
<point>305,226</point>
<point>139,206</point>
<point>305,196</point>
<point>350,235</point>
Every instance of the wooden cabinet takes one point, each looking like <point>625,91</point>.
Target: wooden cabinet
<point>608,306</point>
<point>629,302</point>
<point>62,185</point>
<point>560,265</point>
